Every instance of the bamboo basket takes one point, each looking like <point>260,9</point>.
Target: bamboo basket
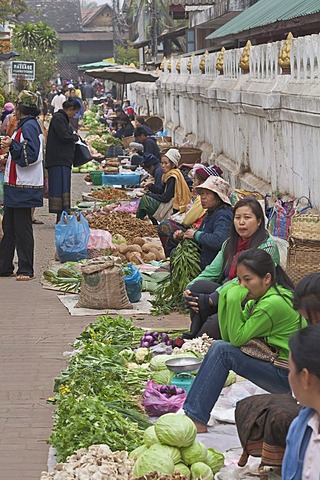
<point>127,140</point>
<point>188,154</point>
<point>305,227</point>
<point>303,257</point>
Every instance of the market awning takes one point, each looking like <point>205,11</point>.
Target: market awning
<point>102,64</point>
<point>266,12</point>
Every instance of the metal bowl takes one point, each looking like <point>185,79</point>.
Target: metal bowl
<point>184,364</point>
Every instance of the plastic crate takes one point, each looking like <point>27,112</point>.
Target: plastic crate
<point>96,177</point>
<point>127,179</point>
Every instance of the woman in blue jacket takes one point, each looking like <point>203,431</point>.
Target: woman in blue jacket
<point>302,456</point>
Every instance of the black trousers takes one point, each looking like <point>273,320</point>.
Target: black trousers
<point>206,321</point>
<point>17,235</point>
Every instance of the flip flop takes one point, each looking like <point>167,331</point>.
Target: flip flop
<point>37,222</point>
<point>24,278</point>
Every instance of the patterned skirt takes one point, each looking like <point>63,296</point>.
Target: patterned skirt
<point>59,189</point>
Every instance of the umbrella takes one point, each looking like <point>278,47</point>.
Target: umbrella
<point>123,74</point>
<point>102,64</point>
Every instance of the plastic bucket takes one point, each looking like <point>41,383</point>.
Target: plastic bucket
<point>96,177</point>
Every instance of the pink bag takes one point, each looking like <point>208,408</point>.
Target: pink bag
<point>157,403</point>
<point>100,243</point>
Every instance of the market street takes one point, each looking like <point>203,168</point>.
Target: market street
<point>35,331</point>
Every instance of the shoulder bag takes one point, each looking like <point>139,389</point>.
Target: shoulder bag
<point>259,349</point>
<point>82,153</point>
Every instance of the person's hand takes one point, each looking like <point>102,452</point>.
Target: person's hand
<point>191,301</point>
<point>178,236</point>
<point>6,142</point>
<point>189,233</point>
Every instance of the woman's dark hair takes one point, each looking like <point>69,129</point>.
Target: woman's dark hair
<point>260,263</point>
<point>71,103</point>
<point>257,238</point>
<point>304,347</point>
<point>307,295</point>
<point>34,111</point>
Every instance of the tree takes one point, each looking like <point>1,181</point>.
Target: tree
<point>127,54</point>
<point>9,9</point>
<point>36,42</point>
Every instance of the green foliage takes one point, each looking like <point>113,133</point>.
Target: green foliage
<point>127,54</point>
<point>9,10</point>
<point>37,43</point>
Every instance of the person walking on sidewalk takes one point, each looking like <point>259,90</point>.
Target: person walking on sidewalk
<point>59,156</point>
<point>23,189</point>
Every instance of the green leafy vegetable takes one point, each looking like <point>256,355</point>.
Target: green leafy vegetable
<point>176,430</point>
<point>215,460</point>
<point>150,437</point>
<point>148,462</point>
<point>200,470</point>
<point>197,452</point>
<point>162,377</point>
<point>182,468</point>
<point>138,451</point>
<point>166,451</point>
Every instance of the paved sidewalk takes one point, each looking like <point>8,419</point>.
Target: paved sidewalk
<point>35,331</point>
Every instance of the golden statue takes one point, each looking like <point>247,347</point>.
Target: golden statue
<point>219,63</point>
<point>202,64</point>
<point>284,58</point>
<point>162,64</point>
<point>189,64</point>
<point>169,65</point>
<point>178,66</point>
<point>244,63</point>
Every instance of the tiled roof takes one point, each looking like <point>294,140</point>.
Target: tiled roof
<point>266,12</point>
<point>89,15</point>
<point>62,15</point>
<point>85,36</point>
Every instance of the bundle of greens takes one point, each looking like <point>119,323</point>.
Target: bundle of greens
<point>184,266</point>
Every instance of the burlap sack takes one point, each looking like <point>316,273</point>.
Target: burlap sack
<point>102,285</point>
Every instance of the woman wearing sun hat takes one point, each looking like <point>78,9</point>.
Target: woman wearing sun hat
<point>23,188</point>
<point>212,207</point>
<point>175,195</point>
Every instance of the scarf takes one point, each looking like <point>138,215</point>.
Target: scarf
<point>243,244</point>
<point>182,194</point>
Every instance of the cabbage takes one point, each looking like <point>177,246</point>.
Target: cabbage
<point>183,469</point>
<point>138,451</point>
<point>215,460</point>
<point>150,437</point>
<point>176,430</point>
<point>162,377</point>
<point>232,378</point>
<point>158,362</point>
<point>197,452</point>
<point>201,471</point>
<point>149,462</point>
<point>166,451</point>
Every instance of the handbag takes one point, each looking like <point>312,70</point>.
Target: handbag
<point>259,349</point>
<point>82,153</point>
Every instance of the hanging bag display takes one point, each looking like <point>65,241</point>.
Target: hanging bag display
<point>82,153</point>
<point>71,237</point>
<point>280,217</point>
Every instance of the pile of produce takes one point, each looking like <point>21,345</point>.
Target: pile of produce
<point>97,462</point>
<point>139,251</point>
<point>121,223</point>
<point>91,120</point>
<point>170,445</point>
<point>98,144</point>
<point>67,278</point>
<point>97,396</point>
<point>88,167</point>
<point>200,345</point>
<point>109,193</point>
<point>150,339</point>
<point>185,266</point>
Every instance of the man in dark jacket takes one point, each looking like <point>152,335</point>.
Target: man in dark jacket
<point>59,156</point>
<point>153,167</point>
<point>149,146</point>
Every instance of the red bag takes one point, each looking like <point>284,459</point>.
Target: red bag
<point>157,403</point>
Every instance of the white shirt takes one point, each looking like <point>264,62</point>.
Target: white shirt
<point>311,464</point>
<point>57,102</point>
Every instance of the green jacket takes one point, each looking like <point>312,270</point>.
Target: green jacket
<point>271,318</point>
<point>214,271</point>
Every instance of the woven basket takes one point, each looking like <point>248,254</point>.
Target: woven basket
<point>188,154</point>
<point>303,258</point>
<point>127,140</point>
<point>305,227</point>
<point>155,123</point>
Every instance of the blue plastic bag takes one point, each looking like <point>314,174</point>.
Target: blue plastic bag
<point>71,237</point>
<point>133,282</point>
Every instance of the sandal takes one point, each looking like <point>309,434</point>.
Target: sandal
<point>37,222</point>
<point>24,278</point>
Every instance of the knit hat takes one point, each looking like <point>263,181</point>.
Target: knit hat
<point>205,172</point>
<point>149,160</point>
<point>218,186</point>
<point>173,155</point>
<point>27,98</point>
<point>9,106</point>
<point>136,146</point>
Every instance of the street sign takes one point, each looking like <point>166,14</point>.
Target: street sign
<point>27,69</point>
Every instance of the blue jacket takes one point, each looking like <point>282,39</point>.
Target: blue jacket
<point>297,441</point>
<point>213,231</point>
<point>23,177</point>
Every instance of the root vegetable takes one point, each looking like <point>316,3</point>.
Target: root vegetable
<point>147,247</point>
<point>138,241</point>
<point>134,257</point>
<point>156,252</point>
<point>148,257</point>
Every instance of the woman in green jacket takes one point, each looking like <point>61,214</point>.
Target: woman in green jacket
<point>248,231</point>
<point>268,314</point>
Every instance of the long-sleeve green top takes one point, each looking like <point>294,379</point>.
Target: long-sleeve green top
<point>214,272</point>
<point>271,318</point>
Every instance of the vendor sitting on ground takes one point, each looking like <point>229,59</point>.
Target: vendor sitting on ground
<point>149,146</point>
<point>126,128</point>
<point>202,294</point>
<point>268,315</point>
<point>153,167</point>
<point>175,195</point>
<point>208,221</point>
<point>141,123</point>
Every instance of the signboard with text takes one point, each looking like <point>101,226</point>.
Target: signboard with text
<point>27,69</point>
